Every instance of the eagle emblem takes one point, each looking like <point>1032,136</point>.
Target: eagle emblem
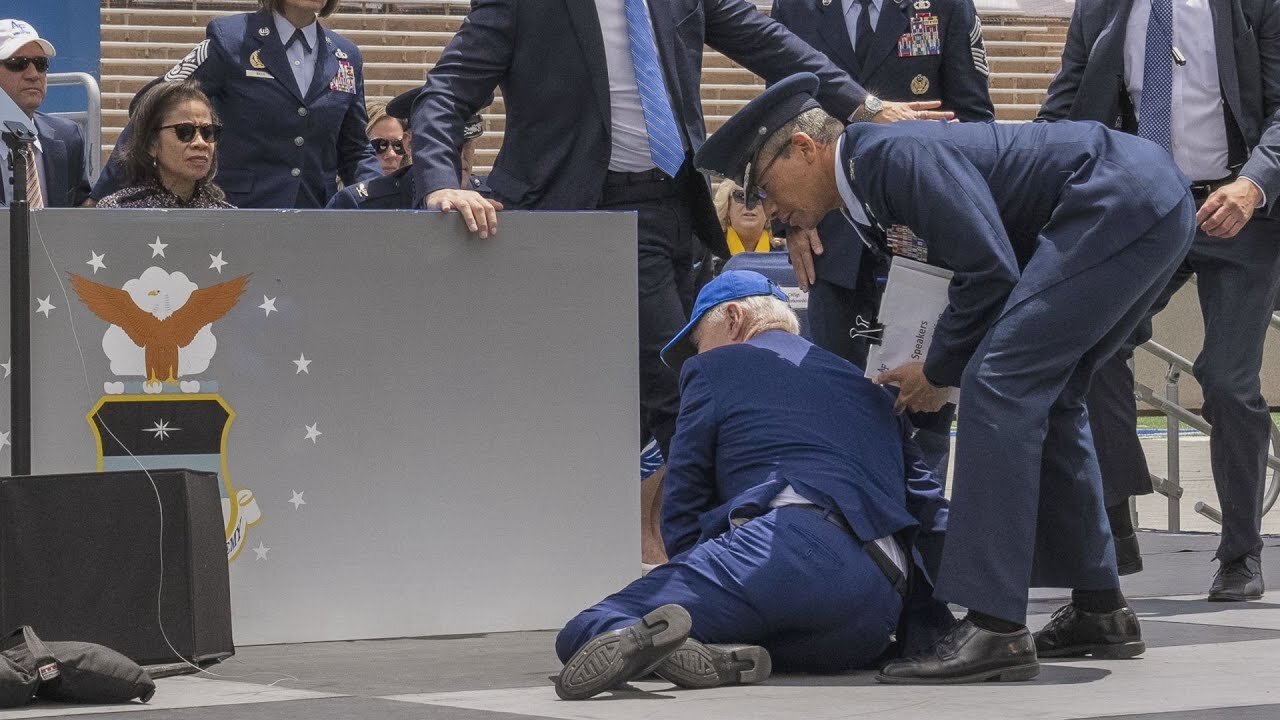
<point>160,324</point>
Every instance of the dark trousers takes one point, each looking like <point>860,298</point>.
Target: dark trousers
<point>1026,500</point>
<point>836,313</point>
<point>788,580</point>
<point>665,260</point>
<point>1238,283</point>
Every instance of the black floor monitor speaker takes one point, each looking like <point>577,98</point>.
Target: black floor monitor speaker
<point>82,557</point>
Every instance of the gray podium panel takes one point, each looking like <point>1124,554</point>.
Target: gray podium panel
<point>418,432</point>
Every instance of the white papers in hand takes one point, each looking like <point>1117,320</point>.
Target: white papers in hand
<point>914,299</point>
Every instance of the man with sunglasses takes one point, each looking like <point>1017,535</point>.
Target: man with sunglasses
<point>62,178</point>
<point>396,191</point>
<point>1060,235</point>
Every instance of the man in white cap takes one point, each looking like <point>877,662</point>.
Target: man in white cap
<point>58,156</point>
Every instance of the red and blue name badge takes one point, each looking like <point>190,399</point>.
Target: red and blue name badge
<point>923,39</point>
<point>345,80</point>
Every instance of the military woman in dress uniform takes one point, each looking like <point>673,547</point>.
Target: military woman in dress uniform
<point>291,97</point>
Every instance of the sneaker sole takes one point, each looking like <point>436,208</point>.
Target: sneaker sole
<point>613,658</point>
<point>1232,597</point>
<point>1104,651</point>
<point>698,666</point>
<point>1017,673</point>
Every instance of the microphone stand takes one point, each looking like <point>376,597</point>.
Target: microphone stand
<point>17,137</point>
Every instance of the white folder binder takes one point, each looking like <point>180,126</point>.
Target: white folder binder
<point>914,299</point>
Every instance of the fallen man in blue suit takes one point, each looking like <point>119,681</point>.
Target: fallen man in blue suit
<point>798,516</point>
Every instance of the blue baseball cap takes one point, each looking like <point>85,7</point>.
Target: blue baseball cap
<point>731,285</point>
<point>730,152</point>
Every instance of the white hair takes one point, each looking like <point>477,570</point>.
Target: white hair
<point>763,312</point>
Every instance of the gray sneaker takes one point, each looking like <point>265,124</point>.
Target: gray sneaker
<point>695,665</point>
<point>616,657</point>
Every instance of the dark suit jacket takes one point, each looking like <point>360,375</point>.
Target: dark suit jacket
<point>990,196</point>
<point>1091,86</point>
<point>776,411</point>
<point>66,175</point>
<point>548,57</point>
<point>957,76</point>
<point>281,148</point>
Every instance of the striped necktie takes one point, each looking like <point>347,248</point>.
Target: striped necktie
<point>1155,108</point>
<point>665,145</point>
<point>35,200</point>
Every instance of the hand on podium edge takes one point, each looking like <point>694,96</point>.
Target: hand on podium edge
<point>802,245</point>
<point>915,392</point>
<point>480,213</point>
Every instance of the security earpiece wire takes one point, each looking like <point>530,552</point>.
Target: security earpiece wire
<point>88,386</point>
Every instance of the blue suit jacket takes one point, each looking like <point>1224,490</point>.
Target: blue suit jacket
<point>281,148</point>
<point>66,176</point>
<point>389,192</point>
<point>777,411</point>
<point>549,59</point>
<point>989,197</point>
<point>1091,84</point>
<point>957,76</point>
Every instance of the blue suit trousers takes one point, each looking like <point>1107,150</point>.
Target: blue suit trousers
<point>788,580</point>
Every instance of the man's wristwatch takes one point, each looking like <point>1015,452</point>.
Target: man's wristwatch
<point>868,109</point>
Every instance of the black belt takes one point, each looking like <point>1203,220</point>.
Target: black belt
<point>892,573</point>
<point>1202,189</point>
<point>636,178</point>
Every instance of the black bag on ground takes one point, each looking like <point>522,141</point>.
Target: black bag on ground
<point>79,672</point>
<point>17,686</point>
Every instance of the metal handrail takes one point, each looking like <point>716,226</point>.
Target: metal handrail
<point>90,118</point>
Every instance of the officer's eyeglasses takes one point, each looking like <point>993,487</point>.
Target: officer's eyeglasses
<point>380,146</point>
<point>186,131</point>
<point>20,64</point>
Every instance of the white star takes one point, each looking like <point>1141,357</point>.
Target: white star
<point>157,247</point>
<point>217,263</point>
<point>8,366</point>
<point>312,433</point>
<point>261,551</point>
<point>297,499</point>
<point>268,304</point>
<point>303,364</point>
<point>46,306</point>
<point>161,430</point>
<point>4,440</point>
<point>95,261</point>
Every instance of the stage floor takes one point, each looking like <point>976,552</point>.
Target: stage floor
<point>1204,662</point>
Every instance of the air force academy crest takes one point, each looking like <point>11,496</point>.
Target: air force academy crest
<point>161,333</point>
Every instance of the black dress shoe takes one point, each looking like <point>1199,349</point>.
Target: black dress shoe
<point>1238,580</point>
<point>698,665</point>
<point>967,654</point>
<point>613,658</point>
<point>1075,633</point>
<point>1128,554</point>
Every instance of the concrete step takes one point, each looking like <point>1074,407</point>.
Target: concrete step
<point>1017,112</point>
<point>1021,80</point>
<point>1023,48</point>
<point>1000,65</point>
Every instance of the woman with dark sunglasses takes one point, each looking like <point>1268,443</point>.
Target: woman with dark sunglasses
<point>746,229</point>
<point>291,93</point>
<point>387,137</point>
<point>170,158</point>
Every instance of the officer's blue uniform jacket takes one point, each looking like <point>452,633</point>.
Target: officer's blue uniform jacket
<point>281,148</point>
<point>934,178</point>
<point>389,192</point>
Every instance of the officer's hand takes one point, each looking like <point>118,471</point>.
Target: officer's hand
<point>802,245</point>
<point>1229,208</point>
<point>923,110</point>
<point>479,212</point>
<point>915,393</point>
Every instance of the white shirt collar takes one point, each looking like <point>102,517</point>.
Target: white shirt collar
<point>852,205</point>
<point>285,29</point>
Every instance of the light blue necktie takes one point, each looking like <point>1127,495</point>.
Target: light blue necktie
<point>665,145</point>
<point>1155,109</point>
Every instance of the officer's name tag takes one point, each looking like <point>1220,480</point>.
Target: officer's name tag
<point>259,74</point>
<point>345,80</point>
